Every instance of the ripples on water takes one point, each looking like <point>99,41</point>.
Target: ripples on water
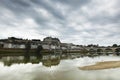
<point>55,68</point>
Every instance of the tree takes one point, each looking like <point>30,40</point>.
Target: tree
<point>114,45</point>
<point>27,51</point>
<point>38,51</point>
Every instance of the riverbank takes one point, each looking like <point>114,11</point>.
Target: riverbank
<point>102,65</point>
<point>18,52</point>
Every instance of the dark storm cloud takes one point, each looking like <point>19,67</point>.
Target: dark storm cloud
<point>26,7</point>
<point>15,5</point>
<point>22,3</point>
<point>105,19</point>
<point>73,3</point>
<point>49,8</point>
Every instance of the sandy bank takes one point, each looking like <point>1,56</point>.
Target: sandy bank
<point>102,65</point>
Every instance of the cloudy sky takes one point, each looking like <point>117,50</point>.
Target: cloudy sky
<point>72,21</point>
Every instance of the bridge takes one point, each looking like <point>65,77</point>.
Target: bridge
<point>104,50</point>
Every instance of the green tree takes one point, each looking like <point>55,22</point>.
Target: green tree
<point>27,51</point>
<point>38,52</point>
<point>114,45</point>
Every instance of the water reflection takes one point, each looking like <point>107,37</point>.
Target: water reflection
<point>55,67</point>
<point>46,60</point>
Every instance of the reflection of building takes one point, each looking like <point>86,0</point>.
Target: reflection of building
<point>51,62</point>
<point>92,51</point>
<point>46,60</point>
<point>117,51</point>
<point>10,60</point>
<point>108,51</point>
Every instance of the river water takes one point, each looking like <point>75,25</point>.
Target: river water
<point>55,68</point>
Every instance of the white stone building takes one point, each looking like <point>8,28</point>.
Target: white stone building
<point>11,45</point>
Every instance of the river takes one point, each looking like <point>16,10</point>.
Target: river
<point>55,68</point>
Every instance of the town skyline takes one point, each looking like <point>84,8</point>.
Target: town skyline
<point>42,40</point>
<point>73,21</point>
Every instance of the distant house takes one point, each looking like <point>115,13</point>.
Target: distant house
<point>70,46</point>
<point>34,46</point>
<point>13,42</point>
<point>7,45</point>
<point>64,46</point>
<point>12,45</point>
<point>45,46</point>
<point>22,46</point>
<point>75,47</point>
<point>35,43</point>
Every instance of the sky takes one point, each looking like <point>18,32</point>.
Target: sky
<point>80,22</point>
